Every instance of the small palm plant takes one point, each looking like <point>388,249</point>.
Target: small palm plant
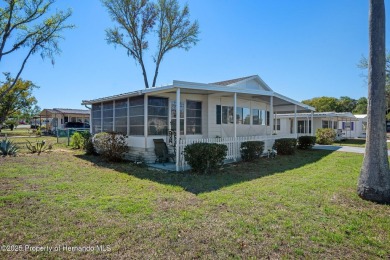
<point>38,147</point>
<point>8,148</point>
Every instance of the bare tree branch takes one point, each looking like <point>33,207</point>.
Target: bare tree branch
<point>23,23</point>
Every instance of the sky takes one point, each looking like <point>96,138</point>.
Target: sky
<point>301,49</point>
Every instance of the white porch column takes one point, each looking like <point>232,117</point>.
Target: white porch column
<point>113,116</point>
<point>234,114</point>
<point>101,117</point>
<point>312,123</point>
<point>146,120</point>
<point>271,113</point>
<point>128,116</point>
<point>307,125</point>
<point>177,127</point>
<point>295,121</point>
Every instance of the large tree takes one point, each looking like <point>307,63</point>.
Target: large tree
<point>136,19</point>
<point>17,100</point>
<point>323,104</point>
<point>374,180</point>
<point>26,25</point>
<point>361,106</point>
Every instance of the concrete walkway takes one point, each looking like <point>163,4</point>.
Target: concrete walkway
<point>348,149</point>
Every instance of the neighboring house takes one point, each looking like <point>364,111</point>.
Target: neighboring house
<point>354,129</point>
<point>342,123</point>
<point>228,112</point>
<point>56,118</point>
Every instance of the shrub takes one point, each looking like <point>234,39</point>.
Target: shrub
<point>111,146</point>
<point>77,141</point>
<point>325,136</point>
<point>80,139</point>
<point>285,146</point>
<point>38,132</point>
<point>251,150</point>
<point>306,142</point>
<point>37,147</point>
<point>204,157</point>
<point>88,147</point>
<point>8,148</point>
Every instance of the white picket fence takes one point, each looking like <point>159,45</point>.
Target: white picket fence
<point>233,144</point>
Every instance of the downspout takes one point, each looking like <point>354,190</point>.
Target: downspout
<point>90,118</point>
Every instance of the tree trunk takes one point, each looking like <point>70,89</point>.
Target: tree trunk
<point>374,181</point>
<point>156,72</point>
<point>144,72</point>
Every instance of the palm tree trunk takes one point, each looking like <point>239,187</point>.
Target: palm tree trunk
<point>374,181</point>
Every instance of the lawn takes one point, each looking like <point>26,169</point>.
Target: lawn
<point>301,206</point>
<point>17,132</point>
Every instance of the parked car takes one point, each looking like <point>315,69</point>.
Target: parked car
<point>76,125</point>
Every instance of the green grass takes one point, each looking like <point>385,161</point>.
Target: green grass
<point>301,206</point>
<point>21,142</point>
<point>17,132</point>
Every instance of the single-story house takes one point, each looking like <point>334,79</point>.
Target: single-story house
<point>356,128</point>
<point>342,123</point>
<point>229,112</point>
<point>56,118</point>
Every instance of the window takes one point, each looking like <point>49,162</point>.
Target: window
<point>364,126</point>
<point>96,118</point>
<point>136,116</point>
<point>219,114</point>
<point>121,116</point>
<point>325,124</point>
<point>255,117</point>
<point>258,117</point>
<point>302,127</point>
<point>243,115</point>
<point>194,117</point>
<point>108,116</point>
<point>227,115</point>
<point>239,115</point>
<point>277,124</point>
<point>246,115</point>
<point>348,126</point>
<point>174,116</point>
<point>335,124</point>
<point>268,117</point>
<point>157,116</point>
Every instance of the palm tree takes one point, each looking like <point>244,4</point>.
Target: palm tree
<point>374,181</point>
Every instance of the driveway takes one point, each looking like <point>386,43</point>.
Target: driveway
<point>348,149</point>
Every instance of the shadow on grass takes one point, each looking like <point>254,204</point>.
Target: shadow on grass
<point>230,174</point>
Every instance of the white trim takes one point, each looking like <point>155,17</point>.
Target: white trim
<point>177,127</point>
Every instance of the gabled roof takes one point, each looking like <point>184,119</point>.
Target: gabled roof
<point>241,83</point>
<point>72,111</point>
<point>253,87</point>
<point>231,81</point>
<point>48,111</point>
